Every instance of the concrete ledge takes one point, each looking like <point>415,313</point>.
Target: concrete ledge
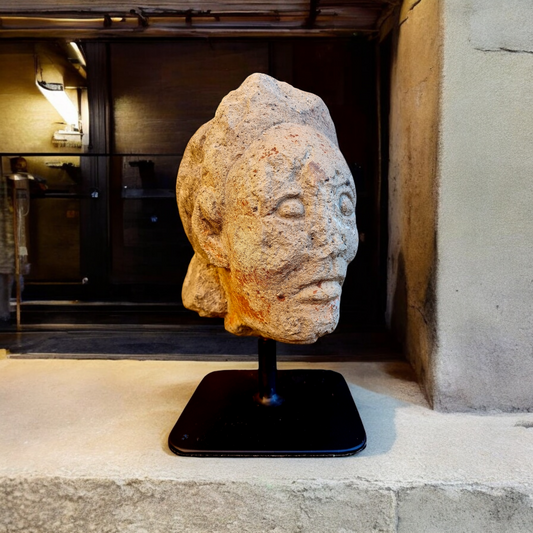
<point>83,448</point>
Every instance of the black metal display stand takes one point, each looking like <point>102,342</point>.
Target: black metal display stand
<point>265,412</point>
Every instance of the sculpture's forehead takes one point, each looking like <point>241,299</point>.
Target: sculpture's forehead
<point>288,154</point>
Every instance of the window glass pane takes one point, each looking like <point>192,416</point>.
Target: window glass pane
<point>30,121</point>
<point>48,207</point>
<point>163,92</point>
<point>149,244</point>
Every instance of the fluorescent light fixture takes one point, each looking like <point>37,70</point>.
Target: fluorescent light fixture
<point>78,53</point>
<point>56,95</point>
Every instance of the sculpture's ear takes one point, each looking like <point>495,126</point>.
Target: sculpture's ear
<point>207,227</point>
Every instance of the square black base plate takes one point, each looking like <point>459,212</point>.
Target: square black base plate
<point>317,417</point>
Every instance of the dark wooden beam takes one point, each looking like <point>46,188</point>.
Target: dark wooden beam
<point>141,18</point>
<point>94,230</point>
<point>313,13</point>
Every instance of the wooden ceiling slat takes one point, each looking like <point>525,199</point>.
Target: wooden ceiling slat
<point>121,5</point>
<point>49,6</point>
<point>189,17</point>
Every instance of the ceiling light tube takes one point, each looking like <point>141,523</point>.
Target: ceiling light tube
<point>56,95</point>
<point>78,52</point>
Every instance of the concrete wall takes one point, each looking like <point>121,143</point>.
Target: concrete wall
<point>414,138</point>
<point>473,350</point>
<point>485,242</point>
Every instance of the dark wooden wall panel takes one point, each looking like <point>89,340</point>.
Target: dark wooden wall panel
<point>162,93</point>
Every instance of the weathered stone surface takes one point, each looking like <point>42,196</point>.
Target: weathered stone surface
<point>56,505</point>
<point>501,25</point>
<point>414,145</point>
<point>464,510</point>
<point>268,203</point>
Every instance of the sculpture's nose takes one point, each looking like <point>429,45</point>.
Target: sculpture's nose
<point>328,235</point>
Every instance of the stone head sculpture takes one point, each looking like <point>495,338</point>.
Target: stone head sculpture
<point>268,204</point>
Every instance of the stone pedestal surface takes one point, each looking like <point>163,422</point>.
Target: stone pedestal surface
<point>83,448</point>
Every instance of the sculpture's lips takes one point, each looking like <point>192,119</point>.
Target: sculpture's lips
<point>320,291</point>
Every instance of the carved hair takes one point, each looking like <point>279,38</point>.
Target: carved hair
<point>260,103</point>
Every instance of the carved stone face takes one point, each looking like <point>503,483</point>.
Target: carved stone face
<point>289,232</point>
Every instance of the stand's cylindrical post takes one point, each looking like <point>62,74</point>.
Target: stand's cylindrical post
<point>266,350</point>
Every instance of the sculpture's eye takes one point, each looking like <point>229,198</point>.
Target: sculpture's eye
<point>346,205</point>
<point>291,208</point>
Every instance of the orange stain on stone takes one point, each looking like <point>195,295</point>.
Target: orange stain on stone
<point>243,306</point>
<point>268,153</point>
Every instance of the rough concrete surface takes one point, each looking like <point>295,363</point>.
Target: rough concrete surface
<point>464,510</point>
<point>502,25</point>
<point>461,223</point>
<point>413,183</point>
<point>485,282</point>
<point>268,203</point>
<point>83,447</point>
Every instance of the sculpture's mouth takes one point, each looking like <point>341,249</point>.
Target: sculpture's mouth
<point>320,291</point>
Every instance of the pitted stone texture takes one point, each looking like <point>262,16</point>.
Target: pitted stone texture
<point>58,505</point>
<point>242,116</point>
<point>268,203</point>
<point>464,510</point>
<point>202,291</point>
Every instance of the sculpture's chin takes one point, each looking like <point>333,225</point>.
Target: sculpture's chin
<point>299,330</point>
<point>238,328</point>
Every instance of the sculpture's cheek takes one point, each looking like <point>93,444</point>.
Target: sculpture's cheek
<point>244,242</point>
<point>285,245</point>
<point>266,244</point>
